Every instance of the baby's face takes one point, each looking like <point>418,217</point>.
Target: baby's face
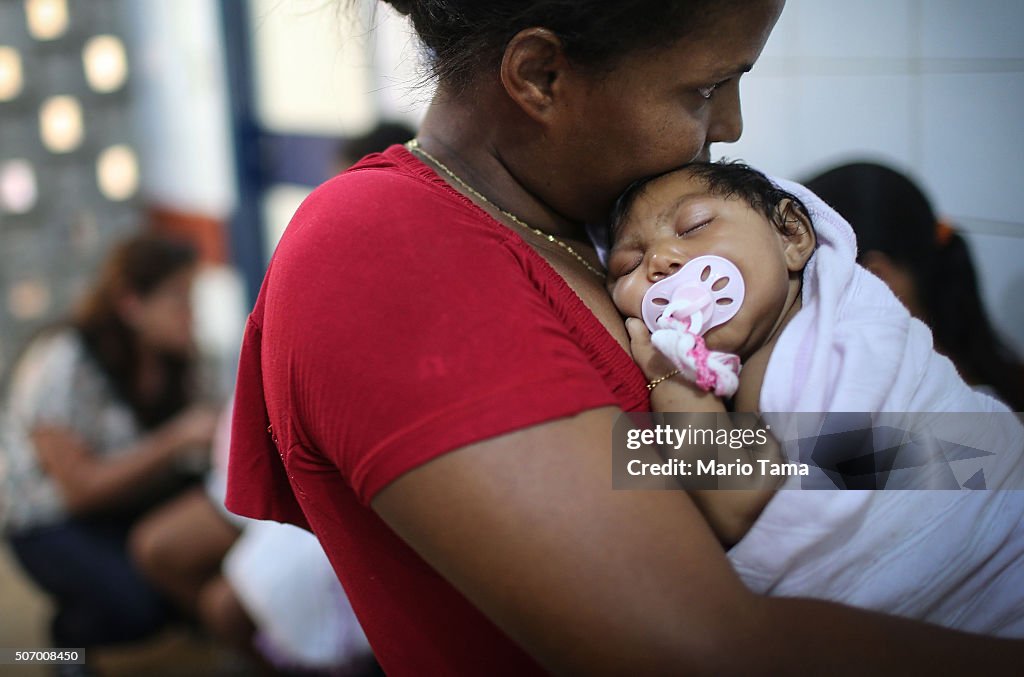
<point>676,219</point>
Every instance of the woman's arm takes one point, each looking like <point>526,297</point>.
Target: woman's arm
<point>89,482</point>
<point>590,580</point>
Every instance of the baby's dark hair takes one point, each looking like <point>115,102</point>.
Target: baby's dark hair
<point>726,180</point>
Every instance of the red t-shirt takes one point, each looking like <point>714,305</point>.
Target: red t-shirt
<point>398,322</point>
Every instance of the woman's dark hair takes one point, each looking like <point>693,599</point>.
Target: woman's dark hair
<point>726,180</point>
<point>138,265</point>
<point>463,36</point>
<point>891,215</point>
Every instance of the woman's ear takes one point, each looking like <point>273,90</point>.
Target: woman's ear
<point>534,70</point>
<point>797,234</point>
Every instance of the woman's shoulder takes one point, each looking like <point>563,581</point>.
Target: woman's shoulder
<point>393,171</point>
<point>391,214</point>
<point>386,196</point>
<point>54,351</point>
<point>52,377</point>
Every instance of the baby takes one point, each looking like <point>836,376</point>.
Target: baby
<point>814,332</point>
<point>726,210</point>
<point>734,212</point>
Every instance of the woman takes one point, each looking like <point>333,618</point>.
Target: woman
<point>101,425</point>
<point>431,373</point>
<point>928,265</point>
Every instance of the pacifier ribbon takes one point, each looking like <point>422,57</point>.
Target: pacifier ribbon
<point>679,310</point>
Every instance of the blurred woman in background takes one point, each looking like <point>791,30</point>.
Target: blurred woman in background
<point>928,266</point>
<point>100,427</point>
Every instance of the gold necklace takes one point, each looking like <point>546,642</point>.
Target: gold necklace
<point>414,146</point>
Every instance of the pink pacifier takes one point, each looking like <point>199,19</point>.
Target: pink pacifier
<point>706,292</point>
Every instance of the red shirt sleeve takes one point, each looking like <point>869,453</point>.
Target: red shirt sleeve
<point>400,324</point>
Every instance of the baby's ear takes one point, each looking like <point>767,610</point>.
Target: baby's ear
<point>797,234</point>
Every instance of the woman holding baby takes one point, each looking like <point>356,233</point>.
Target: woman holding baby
<point>434,365</point>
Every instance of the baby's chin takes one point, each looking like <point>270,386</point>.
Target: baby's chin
<point>722,340</point>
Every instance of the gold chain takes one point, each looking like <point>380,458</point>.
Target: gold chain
<point>414,146</point>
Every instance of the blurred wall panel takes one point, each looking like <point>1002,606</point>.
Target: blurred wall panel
<point>184,132</point>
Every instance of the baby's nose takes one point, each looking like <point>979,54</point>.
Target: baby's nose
<point>664,264</point>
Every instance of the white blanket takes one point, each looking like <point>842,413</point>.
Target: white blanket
<point>950,557</point>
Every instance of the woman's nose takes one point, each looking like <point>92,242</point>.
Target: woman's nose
<point>726,122</point>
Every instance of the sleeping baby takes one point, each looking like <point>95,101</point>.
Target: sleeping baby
<point>742,293</point>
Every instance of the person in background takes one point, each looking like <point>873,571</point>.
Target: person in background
<point>101,425</point>
<point>928,266</point>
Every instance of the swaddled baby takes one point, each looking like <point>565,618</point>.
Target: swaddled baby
<point>730,268</point>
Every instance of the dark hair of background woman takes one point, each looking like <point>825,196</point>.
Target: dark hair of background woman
<point>891,215</point>
<point>138,265</point>
<point>465,37</point>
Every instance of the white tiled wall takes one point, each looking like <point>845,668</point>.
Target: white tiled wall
<point>965,29</point>
<point>933,87</point>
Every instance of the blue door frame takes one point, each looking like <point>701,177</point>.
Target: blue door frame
<point>261,158</point>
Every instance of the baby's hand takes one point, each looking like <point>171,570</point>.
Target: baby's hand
<point>650,360</point>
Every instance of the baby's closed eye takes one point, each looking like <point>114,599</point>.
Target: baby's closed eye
<point>691,227</point>
<point>623,263</point>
